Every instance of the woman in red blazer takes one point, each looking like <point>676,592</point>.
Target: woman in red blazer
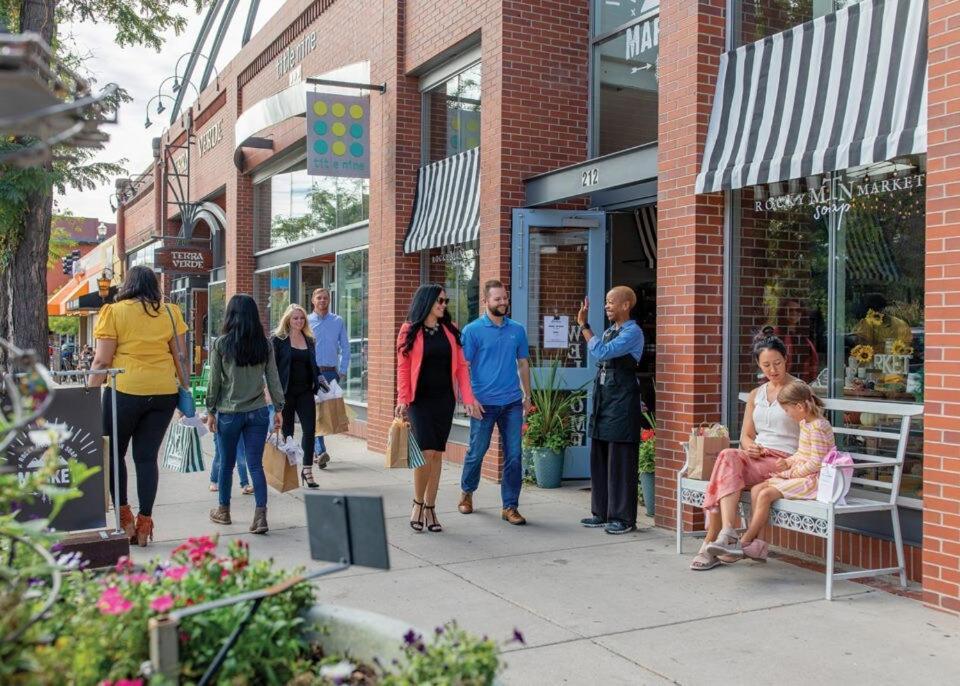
<point>430,366</point>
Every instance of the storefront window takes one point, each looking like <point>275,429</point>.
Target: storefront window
<point>216,308</point>
<point>351,297</point>
<point>458,269</point>
<point>272,293</point>
<point>612,14</point>
<point>144,255</point>
<point>762,18</point>
<point>452,115</point>
<point>871,220</point>
<point>626,82</point>
<point>292,206</point>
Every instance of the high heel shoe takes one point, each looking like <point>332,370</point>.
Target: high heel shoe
<point>306,478</point>
<point>127,523</point>
<point>417,524</point>
<point>435,527</point>
<point>144,530</point>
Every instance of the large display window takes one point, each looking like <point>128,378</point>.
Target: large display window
<point>834,264</point>
<point>625,81</point>
<point>294,206</point>
<point>351,304</point>
<point>458,269</point>
<point>272,293</point>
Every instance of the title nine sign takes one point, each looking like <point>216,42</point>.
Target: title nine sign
<point>295,53</point>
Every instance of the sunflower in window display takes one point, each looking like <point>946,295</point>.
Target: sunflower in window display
<point>902,348</point>
<point>863,354</point>
<point>874,318</point>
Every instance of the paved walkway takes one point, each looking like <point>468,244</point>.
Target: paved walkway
<point>595,609</point>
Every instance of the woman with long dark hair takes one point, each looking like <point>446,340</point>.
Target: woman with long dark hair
<point>430,365</point>
<point>142,335</point>
<point>240,361</point>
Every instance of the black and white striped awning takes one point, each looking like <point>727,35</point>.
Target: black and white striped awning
<point>840,91</point>
<point>646,218</point>
<point>446,210</point>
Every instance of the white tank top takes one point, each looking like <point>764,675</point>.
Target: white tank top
<point>775,429</point>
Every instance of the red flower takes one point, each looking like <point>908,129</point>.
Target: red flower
<point>124,564</point>
<point>198,549</point>
<point>523,428</point>
<point>647,435</point>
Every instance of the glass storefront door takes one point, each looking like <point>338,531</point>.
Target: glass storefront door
<point>559,258</point>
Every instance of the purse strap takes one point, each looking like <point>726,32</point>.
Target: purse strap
<point>176,343</point>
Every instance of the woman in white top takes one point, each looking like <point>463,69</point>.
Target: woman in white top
<point>768,435</point>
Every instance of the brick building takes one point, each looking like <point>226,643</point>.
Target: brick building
<point>579,130</point>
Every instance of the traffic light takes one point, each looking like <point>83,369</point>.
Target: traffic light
<point>67,264</point>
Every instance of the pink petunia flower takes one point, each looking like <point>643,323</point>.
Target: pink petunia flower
<point>176,573</point>
<point>112,602</point>
<point>124,564</point>
<point>162,603</point>
<point>139,578</point>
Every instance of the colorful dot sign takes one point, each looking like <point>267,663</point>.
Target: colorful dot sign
<point>338,135</point>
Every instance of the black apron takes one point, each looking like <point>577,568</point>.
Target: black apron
<point>617,406</point>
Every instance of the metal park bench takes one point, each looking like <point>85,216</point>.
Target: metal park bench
<point>820,519</point>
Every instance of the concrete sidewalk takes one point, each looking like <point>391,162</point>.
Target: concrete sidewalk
<point>594,608</point>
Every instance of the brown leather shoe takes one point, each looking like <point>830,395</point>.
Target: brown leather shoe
<point>221,515</point>
<point>511,515</point>
<point>466,503</point>
<point>144,531</point>
<point>127,524</point>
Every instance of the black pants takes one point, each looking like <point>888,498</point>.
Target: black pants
<point>613,480</point>
<point>302,405</point>
<point>144,420</point>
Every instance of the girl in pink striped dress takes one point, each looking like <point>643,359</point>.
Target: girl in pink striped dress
<point>795,477</point>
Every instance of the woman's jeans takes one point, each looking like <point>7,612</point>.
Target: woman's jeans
<point>252,426</point>
<point>142,420</point>
<point>241,464</point>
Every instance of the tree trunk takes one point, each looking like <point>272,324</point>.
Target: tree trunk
<point>23,282</point>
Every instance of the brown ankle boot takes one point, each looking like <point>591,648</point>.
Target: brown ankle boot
<point>221,515</point>
<point>466,503</point>
<point>259,525</point>
<point>510,514</point>
<point>144,530</point>
<point>127,524</point>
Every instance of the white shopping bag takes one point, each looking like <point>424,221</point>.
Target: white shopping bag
<point>293,451</point>
<point>830,486</point>
<point>332,394</point>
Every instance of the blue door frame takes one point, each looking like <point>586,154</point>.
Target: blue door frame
<point>525,223</point>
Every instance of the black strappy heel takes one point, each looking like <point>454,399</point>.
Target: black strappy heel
<point>306,478</point>
<point>435,527</point>
<point>417,524</point>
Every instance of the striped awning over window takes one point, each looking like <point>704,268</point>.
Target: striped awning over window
<point>646,219</point>
<point>446,210</point>
<point>840,91</point>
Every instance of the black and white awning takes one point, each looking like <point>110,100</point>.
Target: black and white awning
<point>446,210</point>
<point>843,90</point>
<point>646,219</point>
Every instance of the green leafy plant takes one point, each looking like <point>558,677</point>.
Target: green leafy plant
<point>454,658</point>
<point>550,422</point>
<point>103,618</point>
<point>646,463</point>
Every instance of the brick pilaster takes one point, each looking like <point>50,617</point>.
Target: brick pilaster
<point>690,245</point>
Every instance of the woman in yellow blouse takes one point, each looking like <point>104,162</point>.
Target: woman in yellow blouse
<point>138,333</point>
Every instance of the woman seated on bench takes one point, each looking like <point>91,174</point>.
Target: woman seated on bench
<point>768,435</point>
<point>796,476</point>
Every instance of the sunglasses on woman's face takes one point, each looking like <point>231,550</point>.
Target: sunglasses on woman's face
<point>443,301</point>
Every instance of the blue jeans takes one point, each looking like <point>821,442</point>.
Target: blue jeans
<point>509,419</point>
<point>319,446</point>
<point>241,464</point>
<point>252,427</point>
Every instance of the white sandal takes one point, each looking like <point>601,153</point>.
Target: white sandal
<point>704,560</point>
<point>727,544</point>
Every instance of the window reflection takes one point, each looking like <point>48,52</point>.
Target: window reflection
<point>351,295</point>
<point>762,18</point>
<point>452,116</point>
<point>272,293</point>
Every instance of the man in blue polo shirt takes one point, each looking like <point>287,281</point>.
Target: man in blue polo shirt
<point>496,349</point>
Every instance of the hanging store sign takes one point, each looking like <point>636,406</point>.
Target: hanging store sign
<point>338,135</point>
<point>183,260</point>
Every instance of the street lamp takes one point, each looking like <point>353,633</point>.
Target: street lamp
<point>103,283</point>
<point>101,232</point>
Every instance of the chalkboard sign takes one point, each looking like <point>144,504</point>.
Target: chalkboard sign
<point>77,408</point>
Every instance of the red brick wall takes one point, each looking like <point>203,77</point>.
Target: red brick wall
<point>690,240</point>
<point>941,467</point>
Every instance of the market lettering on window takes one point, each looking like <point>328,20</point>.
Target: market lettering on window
<point>825,202</point>
<point>643,37</point>
<point>209,138</point>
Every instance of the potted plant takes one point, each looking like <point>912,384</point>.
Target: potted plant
<point>646,463</point>
<point>549,426</point>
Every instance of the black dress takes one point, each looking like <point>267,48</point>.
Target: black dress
<point>431,412</point>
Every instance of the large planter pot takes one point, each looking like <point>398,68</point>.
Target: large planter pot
<point>647,483</point>
<point>547,467</point>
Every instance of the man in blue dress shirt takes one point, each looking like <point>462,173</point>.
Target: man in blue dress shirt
<point>617,410</point>
<point>333,354</point>
<point>497,351</point>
